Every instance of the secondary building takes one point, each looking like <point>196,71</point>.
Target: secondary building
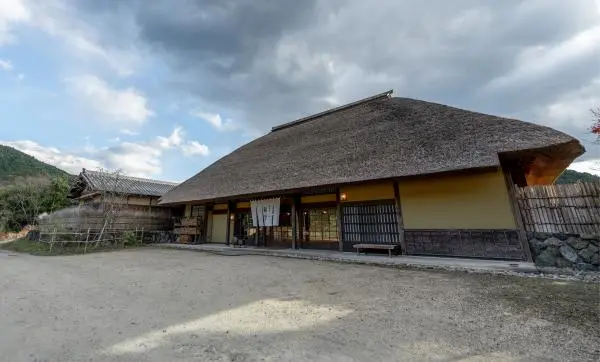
<point>433,179</point>
<point>137,194</point>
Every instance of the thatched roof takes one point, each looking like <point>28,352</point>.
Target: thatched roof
<point>89,182</point>
<point>377,138</point>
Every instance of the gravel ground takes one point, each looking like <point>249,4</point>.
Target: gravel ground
<point>168,305</point>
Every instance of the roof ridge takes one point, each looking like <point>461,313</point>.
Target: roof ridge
<point>137,178</point>
<point>386,94</point>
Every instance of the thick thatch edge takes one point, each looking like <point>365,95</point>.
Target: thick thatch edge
<point>302,190</point>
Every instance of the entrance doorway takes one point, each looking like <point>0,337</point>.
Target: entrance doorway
<point>319,228</point>
<point>219,228</point>
<point>272,237</point>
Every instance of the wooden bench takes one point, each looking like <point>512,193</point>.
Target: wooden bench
<point>388,247</point>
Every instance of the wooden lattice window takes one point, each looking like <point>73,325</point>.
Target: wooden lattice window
<point>282,233</point>
<point>321,224</point>
<point>197,210</point>
<point>370,223</point>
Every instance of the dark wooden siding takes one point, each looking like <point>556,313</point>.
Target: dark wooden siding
<point>489,244</point>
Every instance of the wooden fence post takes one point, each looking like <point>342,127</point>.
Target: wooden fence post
<point>512,195</point>
<point>87,238</point>
<point>52,239</point>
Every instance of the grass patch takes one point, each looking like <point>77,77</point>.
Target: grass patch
<point>43,249</point>
<point>26,246</point>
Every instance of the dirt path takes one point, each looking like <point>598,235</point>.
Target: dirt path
<point>165,305</point>
<point>8,237</point>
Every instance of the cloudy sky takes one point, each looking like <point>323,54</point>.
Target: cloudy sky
<point>164,88</point>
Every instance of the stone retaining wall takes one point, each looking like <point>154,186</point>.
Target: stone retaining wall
<point>580,252</point>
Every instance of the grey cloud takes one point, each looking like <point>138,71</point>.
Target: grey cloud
<point>224,54</point>
<point>267,62</point>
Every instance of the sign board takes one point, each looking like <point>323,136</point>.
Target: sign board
<point>265,212</point>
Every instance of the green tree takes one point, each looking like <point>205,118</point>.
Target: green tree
<point>55,195</point>
<point>22,202</point>
<point>572,176</point>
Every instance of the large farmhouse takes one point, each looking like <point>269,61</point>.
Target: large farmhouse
<point>433,179</point>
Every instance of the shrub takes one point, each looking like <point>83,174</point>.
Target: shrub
<point>130,238</point>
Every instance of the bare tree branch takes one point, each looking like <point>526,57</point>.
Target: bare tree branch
<point>28,198</point>
<point>596,122</point>
<point>112,200</point>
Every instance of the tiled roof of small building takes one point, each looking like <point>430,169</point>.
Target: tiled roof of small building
<point>114,182</point>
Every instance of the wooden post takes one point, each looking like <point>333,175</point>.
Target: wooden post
<point>142,236</point>
<point>399,218</point>
<point>101,233</point>
<point>339,216</point>
<point>228,232</point>
<point>52,238</point>
<point>295,219</point>
<point>301,226</point>
<point>201,228</point>
<point>294,224</point>
<point>206,223</point>
<point>257,226</point>
<point>517,214</point>
<point>87,238</point>
<point>256,236</point>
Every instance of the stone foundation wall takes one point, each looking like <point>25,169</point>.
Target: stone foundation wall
<point>580,252</point>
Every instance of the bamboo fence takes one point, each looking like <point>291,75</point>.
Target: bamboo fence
<point>570,208</point>
<point>83,226</point>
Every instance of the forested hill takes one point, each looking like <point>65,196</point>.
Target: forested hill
<point>14,164</point>
<point>571,176</point>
